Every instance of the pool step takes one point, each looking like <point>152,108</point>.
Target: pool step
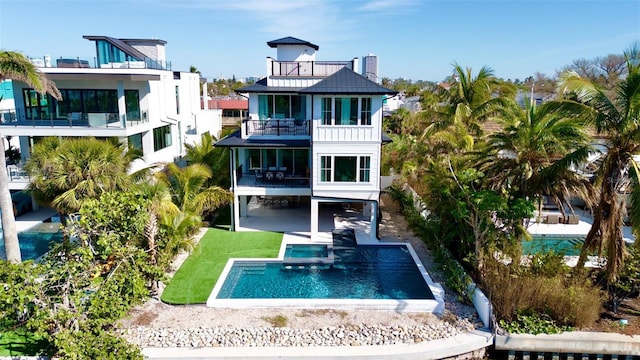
<point>254,268</point>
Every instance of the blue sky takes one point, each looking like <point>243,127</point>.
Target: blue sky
<point>414,39</point>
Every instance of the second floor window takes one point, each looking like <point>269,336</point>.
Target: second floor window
<point>282,107</point>
<point>161,137</point>
<point>346,111</point>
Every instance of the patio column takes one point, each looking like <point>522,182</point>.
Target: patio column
<point>374,220</point>
<point>236,212</point>
<point>314,218</point>
<point>243,205</point>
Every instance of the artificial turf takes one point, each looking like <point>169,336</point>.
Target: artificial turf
<point>193,282</point>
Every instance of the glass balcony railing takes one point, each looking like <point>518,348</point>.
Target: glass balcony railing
<point>17,173</point>
<point>147,63</point>
<point>77,119</point>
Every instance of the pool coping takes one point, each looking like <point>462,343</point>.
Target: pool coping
<point>435,305</point>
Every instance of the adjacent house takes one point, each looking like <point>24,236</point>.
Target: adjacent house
<point>313,137</point>
<point>129,92</point>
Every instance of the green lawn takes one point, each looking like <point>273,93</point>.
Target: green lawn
<point>193,282</point>
<point>21,343</point>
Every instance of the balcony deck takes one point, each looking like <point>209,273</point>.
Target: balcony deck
<point>77,119</point>
<point>306,68</point>
<point>289,181</point>
<point>277,127</point>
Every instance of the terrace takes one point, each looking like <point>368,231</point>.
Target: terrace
<point>46,62</point>
<point>74,119</point>
<point>277,127</point>
<point>306,68</point>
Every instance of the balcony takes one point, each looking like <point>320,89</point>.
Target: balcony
<point>17,174</point>
<point>79,119</point>
<point>276,180</point>
<point>47,62</point>
<point>306,68</point>
<point>277,127</point>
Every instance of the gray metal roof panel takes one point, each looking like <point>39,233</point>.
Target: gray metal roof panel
<point>347,81</point>
<point>235,140</point>
<point>261,87</point>
<point>291,41</point>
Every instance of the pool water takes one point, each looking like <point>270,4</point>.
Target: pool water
<point>363,272</point>
<point>306,251</point>
<point>35,241</point>
<point>565,245</point>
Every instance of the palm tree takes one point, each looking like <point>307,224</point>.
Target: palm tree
<point>64,173</point>
<point>534,154</point>
<point>190,193</point>
<point>616,118</point>
<point>216,158</point>
<point>15,66</point>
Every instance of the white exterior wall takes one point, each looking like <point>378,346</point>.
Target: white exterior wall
<point>348,133</point>
<point>296,53</point>
<point>346,190</point>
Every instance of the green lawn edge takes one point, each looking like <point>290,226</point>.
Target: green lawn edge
<point>194,280</point>
<point>21,343</point>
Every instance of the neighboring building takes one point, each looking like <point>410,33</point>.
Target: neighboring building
<point>233,110</point>
<point>370,67</point>
<point>313,137</point>
<point>131,93</point>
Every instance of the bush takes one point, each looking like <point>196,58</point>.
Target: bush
<point>567,301</point>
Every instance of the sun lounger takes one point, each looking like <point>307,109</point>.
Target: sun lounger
<point>573,219</point>
<point>552,219</point>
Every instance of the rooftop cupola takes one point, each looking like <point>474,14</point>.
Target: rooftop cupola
<point>292,49</point>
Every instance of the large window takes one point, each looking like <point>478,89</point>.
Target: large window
<point>296,161</point>
<point>346,111</point>
<point>135,141</point>
<point>282,107</point>
<point>161,137</point>
<point>40,106</point>
<point>132,103</point>
<point>345,168</point>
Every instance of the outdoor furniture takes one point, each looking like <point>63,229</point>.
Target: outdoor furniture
<point>259,176</point>
<point>572,219</point>
<point>280,176</point>
<point>269,176</point>
<point>553,219</point>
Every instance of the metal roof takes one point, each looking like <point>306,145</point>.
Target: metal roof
<point>291,41</point>
<point>347,81</point>
<point>235,140</point>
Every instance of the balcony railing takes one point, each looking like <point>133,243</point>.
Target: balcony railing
<point>307,68</point>
<point>17,173</point>
<point>92,119</point>
<point>278,127</point>
<point>147,63</point>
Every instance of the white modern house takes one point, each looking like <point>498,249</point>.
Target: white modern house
<point>313,137</point>
<point>130,92</point>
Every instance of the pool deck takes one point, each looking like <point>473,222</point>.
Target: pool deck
<point>581,228</point>
<point>33,218</point>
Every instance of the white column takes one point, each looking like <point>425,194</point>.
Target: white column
<point>243,205</point>
<point>122,105</point>
<point>314,218</point>
<point>236,212</point>
<point>374,220</point>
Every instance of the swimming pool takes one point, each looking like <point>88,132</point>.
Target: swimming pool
<point>35,241</point>
<point>366,276</point>
<point>568,245</point>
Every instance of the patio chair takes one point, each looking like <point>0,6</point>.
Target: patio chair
<point>269,176</point>
<point>259,176</point>
<point>280,176</point>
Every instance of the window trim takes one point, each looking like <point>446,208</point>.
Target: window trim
<point>360,170</point>
<point>361,111</point>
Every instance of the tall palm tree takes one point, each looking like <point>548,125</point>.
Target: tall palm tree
<point>616,118</point>
<point>15,66</point>
<point>534,154</point>
<point>66,172</point>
